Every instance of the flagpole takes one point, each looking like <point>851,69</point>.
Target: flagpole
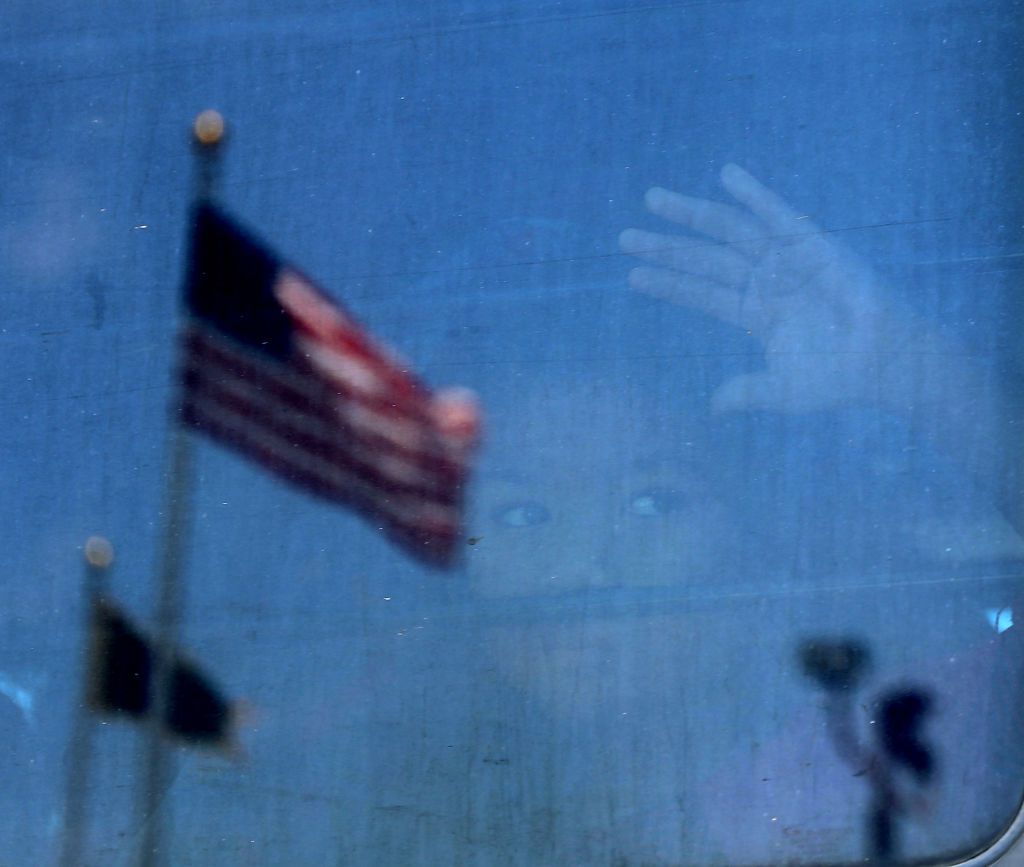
<point>99,555</point>
<point>208,134</point>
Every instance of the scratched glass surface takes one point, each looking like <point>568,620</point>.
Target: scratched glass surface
<point>734,282</point>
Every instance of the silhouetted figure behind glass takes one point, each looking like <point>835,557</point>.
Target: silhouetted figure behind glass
<point>900,718</point>
<point>898,751</point>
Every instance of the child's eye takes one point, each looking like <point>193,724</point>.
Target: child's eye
<point>656,502</point>
<point>528,514</point>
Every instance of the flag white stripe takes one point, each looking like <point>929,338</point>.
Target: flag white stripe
<point>328,327</point>
<point>345,370</point>
<point>219,377</point>
<point>408,510</point>
<point>403,433</point>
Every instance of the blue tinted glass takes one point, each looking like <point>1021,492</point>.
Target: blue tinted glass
<point>735,284</point>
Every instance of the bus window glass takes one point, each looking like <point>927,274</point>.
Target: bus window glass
<point>735,284</point>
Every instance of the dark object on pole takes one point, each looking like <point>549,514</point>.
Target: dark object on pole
<point>903,712</point>
<point>121,682</point>
<point>838,666</point>
<point>834,664</point>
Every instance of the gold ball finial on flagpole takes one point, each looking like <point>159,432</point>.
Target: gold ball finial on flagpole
<point>99,553</point>
<point>208,127</point>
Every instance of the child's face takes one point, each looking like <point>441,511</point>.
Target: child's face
<point>590,485</point>
<point>596,506</point>
<point>592,500</point>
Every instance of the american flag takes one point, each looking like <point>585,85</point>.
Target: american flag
<point>277,370</point>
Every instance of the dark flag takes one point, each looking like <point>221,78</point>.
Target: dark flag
<point>121,683</point>
<point>280,372</point>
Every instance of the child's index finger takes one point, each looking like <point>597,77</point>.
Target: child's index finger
<point>720,222</point>
<point>780,218</point>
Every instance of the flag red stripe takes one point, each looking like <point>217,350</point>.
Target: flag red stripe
<point>436,543</point>
<point>305,392</point>
<point>328,324</point>
<point>348,346</point>
<point>323,477</point>
<point>304,432</point>
<point>413,412</point>
<point>320,429</point>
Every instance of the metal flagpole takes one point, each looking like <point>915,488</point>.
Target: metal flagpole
<point>208,134</point>
<point>98,557</point>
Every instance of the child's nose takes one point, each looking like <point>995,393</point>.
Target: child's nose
<point>591,553</point>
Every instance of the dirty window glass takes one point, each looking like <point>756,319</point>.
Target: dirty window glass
<point>735,286</point>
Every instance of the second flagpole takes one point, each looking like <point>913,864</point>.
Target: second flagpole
<point>208,135</point>
<point>99,555</point>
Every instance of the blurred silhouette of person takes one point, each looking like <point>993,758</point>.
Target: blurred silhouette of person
<point>899,767</point>
<point>899,748</point>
